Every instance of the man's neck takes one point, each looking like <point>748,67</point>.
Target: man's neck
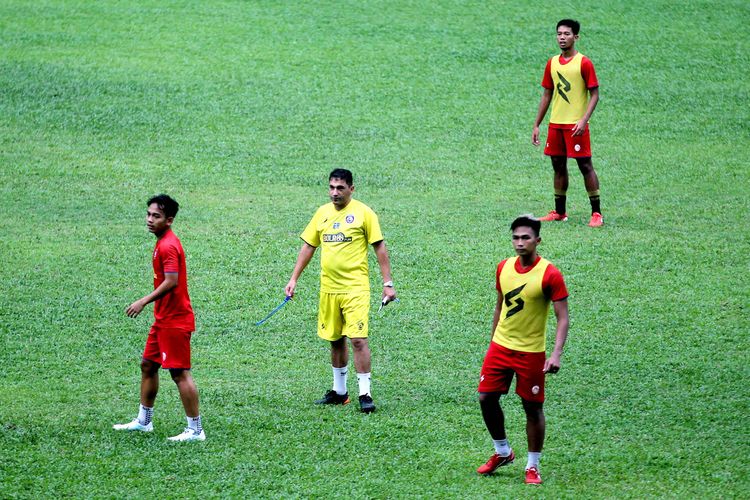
<point>568,53</point>
<point>528,260</point>
<point>338,209</point>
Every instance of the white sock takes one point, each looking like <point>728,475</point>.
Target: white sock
<point>195,424</point>
<point>339,380</point>
<point>145,414</point>
<point>533,460</point>
<point>364,383</point>
<point>502,447</point>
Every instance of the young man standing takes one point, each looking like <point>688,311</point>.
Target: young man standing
<point>168,342</point>
<point>526,285</point>
<point>570,84</point>
<point>344,228</point>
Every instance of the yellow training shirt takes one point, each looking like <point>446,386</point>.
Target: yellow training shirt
<point>523,317</point>
<point>343,236</point>
<point>569,94</point>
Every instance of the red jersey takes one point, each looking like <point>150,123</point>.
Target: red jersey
<point>172,310</point>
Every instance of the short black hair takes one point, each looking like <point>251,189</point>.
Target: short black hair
<point>527,221</point>
<point>343,174</point>
<point>570,23</point>
<point>165,203</point>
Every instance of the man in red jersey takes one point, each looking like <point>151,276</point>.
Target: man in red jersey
<point>571,86</point>
<point>526,285</point>
<point>168,342</point>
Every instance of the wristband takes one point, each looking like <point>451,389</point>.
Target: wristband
<point>388,284</point>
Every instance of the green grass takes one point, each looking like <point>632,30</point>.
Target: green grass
<point>239,110</point>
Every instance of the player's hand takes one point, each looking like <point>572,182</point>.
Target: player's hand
<point>535,136</point>
<point>135,309</point>
<point>552,364</point>
<point>579,128</point>
<point>289,288</point>
<point>389,294</point>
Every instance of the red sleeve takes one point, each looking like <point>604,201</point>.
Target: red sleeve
<point>553,284</point>
<point>497,276</point>
<point>170,261</point>
<point>588,73</point>
<point>547,78</point>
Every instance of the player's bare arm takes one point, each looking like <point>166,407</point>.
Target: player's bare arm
<point>170,281</point>
<point>381,252</point>
<point>303,259</point>
<point>580,126</point>
<point>543,107</point>
<point>496,315</point>
<point>552,364</point>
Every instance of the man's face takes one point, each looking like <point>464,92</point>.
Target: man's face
<point>565,37</point>
<point>156,221</point>
<point>340,192</point>
<point>524,241</point>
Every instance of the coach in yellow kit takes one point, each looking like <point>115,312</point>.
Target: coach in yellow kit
<point>344,228</point>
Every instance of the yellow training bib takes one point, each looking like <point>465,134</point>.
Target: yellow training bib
<point>570,97</point>
<point>523,317</point>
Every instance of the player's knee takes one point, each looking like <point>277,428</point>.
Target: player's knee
<point>489,398</point>
<point>359,344</point>
<point>560,164</point>
<point>585,166</point>
<point>148,367</point>
<point>534,411</point>
<point>178,374</point>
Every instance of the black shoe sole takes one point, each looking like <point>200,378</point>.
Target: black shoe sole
<point>322,402</point>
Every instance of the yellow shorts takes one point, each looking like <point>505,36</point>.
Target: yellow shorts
<point>343,315</point>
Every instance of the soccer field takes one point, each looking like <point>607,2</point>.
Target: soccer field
<point>239,110</point>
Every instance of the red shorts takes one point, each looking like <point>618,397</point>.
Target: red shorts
<point>169,347</point>
<point>560,142</point>
<point>501,363</point>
